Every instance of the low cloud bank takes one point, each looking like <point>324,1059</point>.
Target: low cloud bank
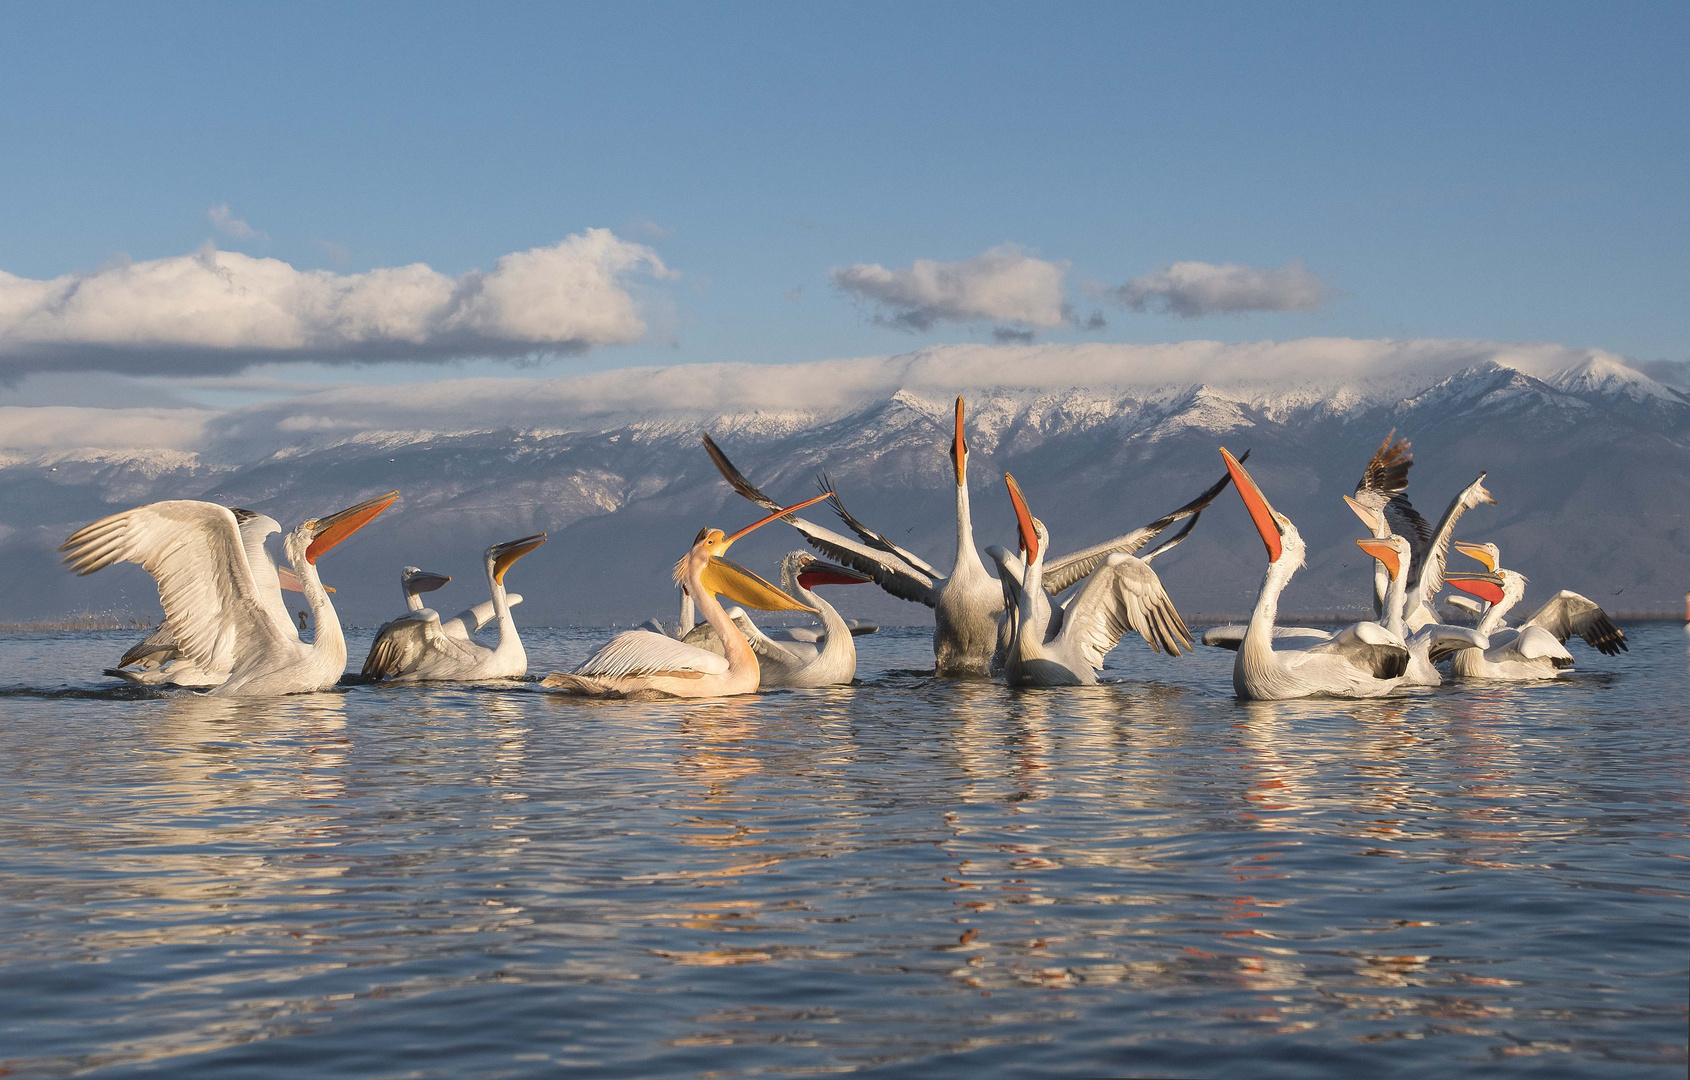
<point>689,394</point>
<point>1002,285</point>
<point>217,311</point>
<point>1194,289</point>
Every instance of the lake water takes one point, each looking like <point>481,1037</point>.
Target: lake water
<point>905,877</point>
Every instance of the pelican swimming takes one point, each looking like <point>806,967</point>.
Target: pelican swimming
<point>1432,642</point>
<point>417,648</point>
<point>211,596</point>
<point>156,661</point>
<point>1382,505</point>
<point>825,659</point>
<point>1361,660</point>
<point>1123,593</point>
<point>1536,649</point>
<point>640,660</point>
<point>968,603</point>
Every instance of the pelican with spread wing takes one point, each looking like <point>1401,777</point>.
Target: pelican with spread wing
<point>1536,649</point>
<point>798,659</point>
<point>1433,642</point>
<point>156,661</point>
<point>218,615</point>
<point>968,604</point>
<point>1066,646</point>
<point>641,660</point>
<point>1361,660</point>
<point>417,647</point>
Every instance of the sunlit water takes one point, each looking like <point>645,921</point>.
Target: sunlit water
<point>905,877</point>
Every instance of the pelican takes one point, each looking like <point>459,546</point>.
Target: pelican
<point>1362,660</point>
<point>640,660</point>
<point>156,661</point>
<point>212,601</point>
<point>1432,642</point>
<point>968,604</point>
<point>1121,594</point>
<point>1382,505</point>
<point>416,647</point>
<point>1536,649</point>
<point>825,659</point>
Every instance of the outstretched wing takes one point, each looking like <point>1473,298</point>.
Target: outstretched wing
<point>1231,636</point>
<point>194,552</point>
<point>641,652</point>
<point>889,571</point>
<point>405,642</point>
<point>873,539</point>
<point>1123,594</point>
<point>1370,647</point>
<point>466,622</point>
<point>1448,640</point>
<point>1568,613</point>
<point>1427,569</point>
<point>704,636</point>
<point>1063,573</point>
<point>1382,486</point>
<point>255,529</point>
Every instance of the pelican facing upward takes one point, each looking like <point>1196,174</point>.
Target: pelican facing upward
<point>825,659</point>
<point>967,603</point>
<point>1122,594</point>
<point>1362,660</point>
<point>640,660</point>
<point>1537,648</point>
<point>211,597</point>
<point>416,647</point>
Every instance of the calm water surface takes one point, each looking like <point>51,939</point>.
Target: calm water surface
<point>903,877</point>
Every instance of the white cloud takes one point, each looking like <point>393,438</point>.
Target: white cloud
<point>217,311</point>
<point>1194,289</point>
<point>57,427</point>
<point>1000,285</point>
<point>224,221</point>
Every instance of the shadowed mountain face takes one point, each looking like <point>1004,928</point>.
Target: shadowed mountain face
<point>1591,469</point>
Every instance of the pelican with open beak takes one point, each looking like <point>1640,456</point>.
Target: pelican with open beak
<point>640,660</point>
<point>417,647</point>
<point>212,600</point>
<point>1537,647</point>
<point>1361,660</point>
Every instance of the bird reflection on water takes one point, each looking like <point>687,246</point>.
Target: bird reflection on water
<point>1145,876</point>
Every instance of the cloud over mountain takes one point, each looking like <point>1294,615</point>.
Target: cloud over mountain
<point>1002,285</point>
<point>1194,289</point>
<point>219,311</point>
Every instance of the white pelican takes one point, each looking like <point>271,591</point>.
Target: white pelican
<point>1536,649</point>
<point>967,603</point>
<point>1362,660</point>
<point>640,660</point>
<point>211,599</point>
<point>1383,507</point>
<point>1121,594</point>
<point>156,661</point>
<point>825,659</point>
<point>1432,642</point>
<point>416,648</point>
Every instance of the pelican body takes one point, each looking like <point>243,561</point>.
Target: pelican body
<point>416,647</point>
<point>1122,593</point>
<point>968,603</point>
<point>637,661</point>
<point>211,597</point>
<point>1537,648</point>
<point>827,659</point>
<point>1361,660</point>
<point>1432,642</point>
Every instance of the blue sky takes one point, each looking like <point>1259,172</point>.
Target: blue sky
<point>1509,172</point>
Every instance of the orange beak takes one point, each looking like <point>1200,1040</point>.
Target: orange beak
<point>1483,586</point>
<point>1023,519</point>
<point>1385,553</point>
<point>508,553</point>
<point>337,527</point>
<point>777,514</point>
<point>1255,502</point>
<point>959,444</point>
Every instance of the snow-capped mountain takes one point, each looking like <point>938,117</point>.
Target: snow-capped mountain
<point>1590,464</point>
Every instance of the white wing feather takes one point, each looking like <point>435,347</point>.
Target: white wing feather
<point>641,652</point>
<point>1123,594</point>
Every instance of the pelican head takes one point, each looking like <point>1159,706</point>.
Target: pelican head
<point>1031,531</point>
<point>1370,516</point>
<point>1275,528</point>
<point>959,447</point>
<point>1393,551</point>
<point>416,580</point>
<point>809,572</point>
<point>1490,587</point>
<point>718,575</point>
<point>1489,554</point>
<point>501,556</point>
<point>321,534</point>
